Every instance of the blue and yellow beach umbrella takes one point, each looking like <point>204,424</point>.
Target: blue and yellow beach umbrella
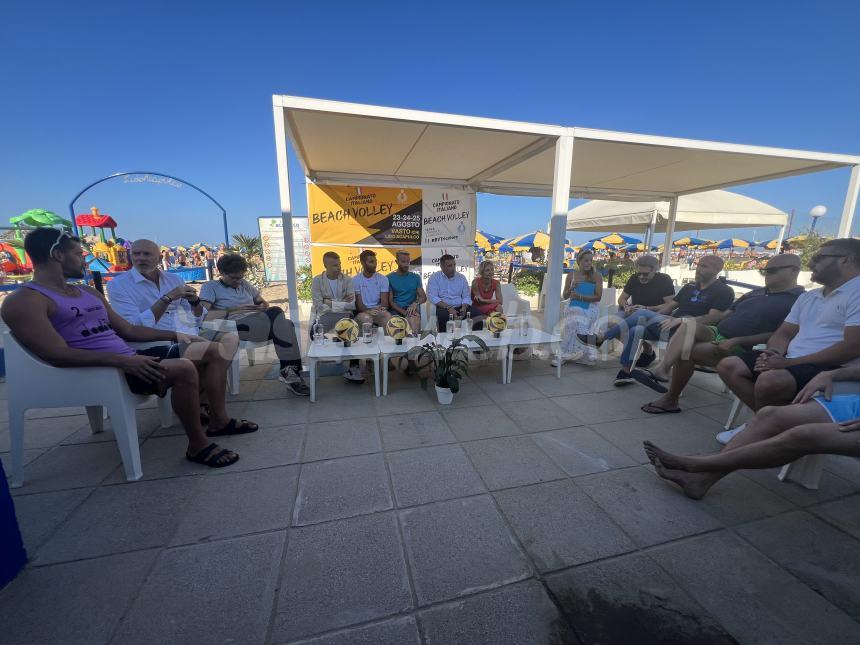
<point>617,239</point>
<point>487,241</point>
<point>731,243</point>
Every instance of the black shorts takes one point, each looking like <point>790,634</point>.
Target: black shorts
<point>802,373</point>
<point>136,384</point>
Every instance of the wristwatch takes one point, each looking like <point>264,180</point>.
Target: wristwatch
<point>167,299</point>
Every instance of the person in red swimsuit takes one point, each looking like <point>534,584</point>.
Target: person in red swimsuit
<point>486,292</point>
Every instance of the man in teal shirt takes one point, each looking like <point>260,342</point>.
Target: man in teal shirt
<point>407,294</point>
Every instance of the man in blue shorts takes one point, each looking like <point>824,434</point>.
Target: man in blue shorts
<point>818,422</point>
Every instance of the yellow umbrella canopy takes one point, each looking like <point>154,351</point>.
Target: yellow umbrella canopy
<point>487,241</point>
<point>797,239</point>
<point>527,240</point>
<point>617,239</point>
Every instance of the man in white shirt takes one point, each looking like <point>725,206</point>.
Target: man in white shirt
<point>372,292</point>
<point>449,292</point>
<point>821,332</point>
<point>147,296</point>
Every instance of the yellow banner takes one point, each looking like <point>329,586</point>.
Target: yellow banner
<point>364,215</point>
<point>385,258</point>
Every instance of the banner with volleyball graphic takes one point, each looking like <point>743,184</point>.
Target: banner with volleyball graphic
<point>349,219</point>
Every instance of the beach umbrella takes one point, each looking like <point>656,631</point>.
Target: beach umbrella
<point>770,244</point>
<point>505,248</point>
<point>690,241</point>
<point>487,241</point>
<point>730,243</point>
<point>637,247</point>
<point>527,240</point>
<point>797,239</point>
<point>616,239</point>
<point>595,245</point>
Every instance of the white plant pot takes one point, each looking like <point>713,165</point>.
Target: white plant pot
<point>444,395</point>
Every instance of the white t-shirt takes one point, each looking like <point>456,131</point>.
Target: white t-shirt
<point>334,287</point>
<point>370,288</point>
<point>822,319</point>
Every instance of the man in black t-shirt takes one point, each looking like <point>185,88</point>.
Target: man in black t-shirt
<point>704,300</point>
<point>749,321</point>
<point>648,289</point>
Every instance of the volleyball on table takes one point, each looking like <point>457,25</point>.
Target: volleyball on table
<point>397,327</point>
<point>496,322</point>
<point>346,329</point>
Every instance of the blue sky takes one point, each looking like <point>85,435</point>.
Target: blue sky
<point>185,88</point>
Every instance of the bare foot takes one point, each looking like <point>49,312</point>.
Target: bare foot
<point>666,401</point>
<point>694,485</point>
<point>669,460</point>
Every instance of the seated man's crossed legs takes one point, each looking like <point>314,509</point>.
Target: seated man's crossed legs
<point>273,325</point>
<point>774,437</point>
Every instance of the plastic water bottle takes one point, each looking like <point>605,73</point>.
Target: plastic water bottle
<point>524,326</point>
<point>318,332</point>
<point>466,325</point>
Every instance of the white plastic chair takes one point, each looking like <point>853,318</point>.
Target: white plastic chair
<point>223,325</point>
<point>32,383</point>
<point>512,303</point>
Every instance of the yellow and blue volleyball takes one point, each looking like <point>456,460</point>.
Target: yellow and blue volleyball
<point>346,329</point>
<point>397,327</point>
<point>496,322</point>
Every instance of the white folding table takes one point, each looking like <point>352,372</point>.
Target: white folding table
<point>335,352</point>
<point>531,338</point>
<point>500,344</point>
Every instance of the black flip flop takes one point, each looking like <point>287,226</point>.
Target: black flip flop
<point>207,458</point>
<point>234,427</point>
<point>647,379</point>
<point>656,409</point>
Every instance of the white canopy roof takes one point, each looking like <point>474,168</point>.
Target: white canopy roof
<point>711,209</point>
<point>350,143</point>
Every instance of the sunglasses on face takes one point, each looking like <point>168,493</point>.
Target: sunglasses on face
<point>820,256</point>
<point>772,270</point>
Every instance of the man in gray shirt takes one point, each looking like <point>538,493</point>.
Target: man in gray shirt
<point>234,298</point>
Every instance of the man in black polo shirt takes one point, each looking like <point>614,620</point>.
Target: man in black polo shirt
<point>749,321</point>
<point>645,289</point>
<point>704,300</point>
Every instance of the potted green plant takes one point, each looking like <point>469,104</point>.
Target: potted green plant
<point>447,364</point>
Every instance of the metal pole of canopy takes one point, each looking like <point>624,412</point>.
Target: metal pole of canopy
<point>850,203</point>
<point>558,227</point>
<point>286,215</point>
<point>670,233</point>
<point>780,239</point>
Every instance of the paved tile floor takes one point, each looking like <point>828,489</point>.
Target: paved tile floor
<point>524,513</point>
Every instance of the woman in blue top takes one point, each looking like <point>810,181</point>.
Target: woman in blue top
<point>584,287</point>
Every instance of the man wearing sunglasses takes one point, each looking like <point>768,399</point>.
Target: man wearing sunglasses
<point>645,289</point>
<point>748,322</point>
<point>73,326</point>
<point>704,300</point>
<point>821,332</point>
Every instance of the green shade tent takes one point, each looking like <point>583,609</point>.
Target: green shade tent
<point>37,217</point>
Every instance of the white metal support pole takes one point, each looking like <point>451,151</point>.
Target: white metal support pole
<point>558,228</point>
<point>670,233</point>
<point>287,216</point>
<point>649,234</point>
<point>850,203</point>
<point>780,239</point>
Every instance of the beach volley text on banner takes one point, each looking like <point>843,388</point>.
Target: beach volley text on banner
<point>373,217</point>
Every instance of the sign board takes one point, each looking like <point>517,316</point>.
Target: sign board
<point>272,238</point>
<point>425,222</point>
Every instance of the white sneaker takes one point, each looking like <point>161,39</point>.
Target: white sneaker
<point>353,374</point>
<point>726,435</point>
<point>565,358</point>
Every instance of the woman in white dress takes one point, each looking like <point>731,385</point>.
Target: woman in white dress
<point>584,287</point>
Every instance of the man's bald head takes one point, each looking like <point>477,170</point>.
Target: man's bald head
<point>145,256</point>
<point>784,260</point>
<point>781,272</point>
